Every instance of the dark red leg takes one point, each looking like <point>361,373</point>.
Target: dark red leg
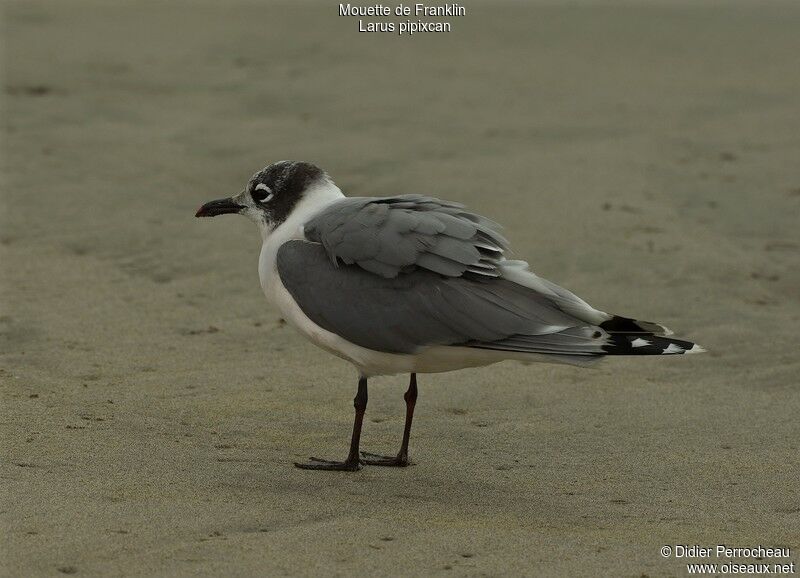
<point>401,459</point>
<point>350,464</point>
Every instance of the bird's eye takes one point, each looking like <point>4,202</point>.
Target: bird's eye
<point>262,193</point>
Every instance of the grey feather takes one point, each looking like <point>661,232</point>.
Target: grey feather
<point>483,272</point>
<point>392,235</point>
<point>572,341</point>
<point>440,265</point>
<point>421,308</point>
<point>459,228</point>
<point>455,250</point>
<point>377,267</point>
<point>429,225</point>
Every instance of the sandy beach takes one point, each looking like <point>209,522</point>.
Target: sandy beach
<point>642,154</point>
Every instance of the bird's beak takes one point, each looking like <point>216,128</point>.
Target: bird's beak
<point>219,207</point>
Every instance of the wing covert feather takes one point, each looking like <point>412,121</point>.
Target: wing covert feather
<point>388,236</point>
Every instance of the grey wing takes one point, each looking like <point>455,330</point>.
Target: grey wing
<point>388,236</point>
<point>391,236</point>
<point>420,308</point>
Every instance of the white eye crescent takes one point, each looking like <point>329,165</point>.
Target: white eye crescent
<point>262,193</point>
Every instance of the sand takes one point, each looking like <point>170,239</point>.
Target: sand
<point>643,155</point>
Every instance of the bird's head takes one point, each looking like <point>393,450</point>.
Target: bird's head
<point>271,195</point>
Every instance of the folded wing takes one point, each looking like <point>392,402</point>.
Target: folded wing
<point>421,308</point>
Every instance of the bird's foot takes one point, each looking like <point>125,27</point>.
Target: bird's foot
<point>348,465</point>
<point>398,461</point>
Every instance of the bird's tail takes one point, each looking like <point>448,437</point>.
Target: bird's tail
<point>633,337</point>
<point>588,343</point>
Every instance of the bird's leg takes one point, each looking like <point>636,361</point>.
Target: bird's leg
<point>351,464</point>
<point>401,459</point>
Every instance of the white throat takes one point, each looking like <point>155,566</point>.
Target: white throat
<point>314,200</point>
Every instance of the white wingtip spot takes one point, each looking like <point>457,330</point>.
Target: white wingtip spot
<point>672,348</point>
<point>639,342</point>
<point>696,349</point>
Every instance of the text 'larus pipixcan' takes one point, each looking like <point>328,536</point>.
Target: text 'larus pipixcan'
<point>413,284</point>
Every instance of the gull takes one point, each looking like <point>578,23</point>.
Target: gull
<point>413,284</point>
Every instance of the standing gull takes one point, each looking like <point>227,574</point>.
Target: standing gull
<point>413,284</point>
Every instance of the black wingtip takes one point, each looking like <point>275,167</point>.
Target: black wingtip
<point>648,344</point>
<point>619,324</point>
